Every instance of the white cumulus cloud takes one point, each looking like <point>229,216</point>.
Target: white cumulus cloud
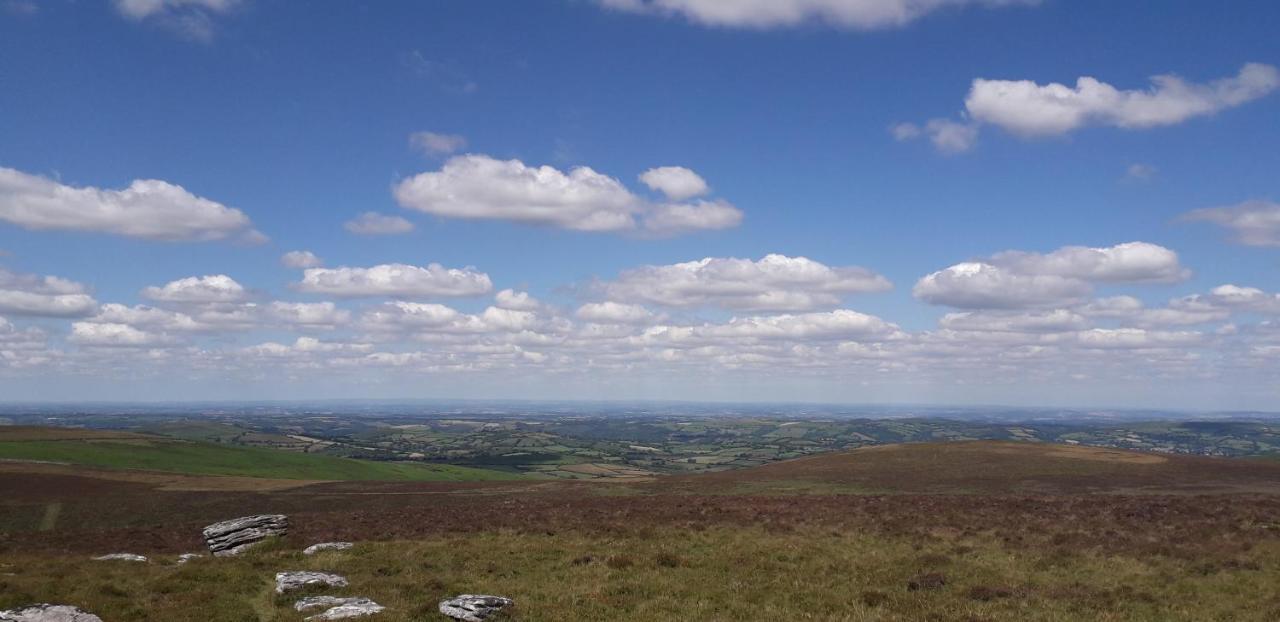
<point>198,289</point>
<point>610,312</point>
<point>301,259</point>
<point>677,182</point>
<point>582,199</point>
<point>395,280</point>
<point>854,14</point>
<point>115,335</point>
<point>148,208</point>
<point>1015,279</point>
<point>29,294</point>
<point>1029,109</point>
<point>773,283</point>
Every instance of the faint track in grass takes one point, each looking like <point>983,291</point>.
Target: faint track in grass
<point>50,519</point>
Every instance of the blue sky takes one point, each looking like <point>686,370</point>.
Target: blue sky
<point>900,138</point>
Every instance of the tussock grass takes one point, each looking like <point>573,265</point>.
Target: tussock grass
<point>738,573</point>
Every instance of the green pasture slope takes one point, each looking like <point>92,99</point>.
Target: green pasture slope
<point>191,457</point>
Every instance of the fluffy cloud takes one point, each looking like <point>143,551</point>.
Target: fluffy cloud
<point>1029,109</point>
<point>434,144</point>
<point>1254,223</point>
<point>1133,338</point>
<point>978,285</point>
<point>1054,321</point>
<point>614,313</point>
<point>395,280</point>
<point>481,187</point>
<point>1131,310</point>
<point>148,208</point>
<point>1131,262</point>
<point>516,301</point>
<point>301,259</point>
<point>774,283</point>
<point>114,335</point>
<point>198,289</point>
<point>373,223</point>
<point>151,318</point>
<point>676,182</point>
<point>856,14</point>
<point>1233,298</point>
<point>1015,279</point>
<point>840,324</point>
<point>51,296</point>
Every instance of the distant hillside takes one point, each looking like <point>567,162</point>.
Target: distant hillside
<point>123,450</point>
<point>992,467</point>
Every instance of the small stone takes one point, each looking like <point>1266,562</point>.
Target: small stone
<point>473,607</point>
<point>186,557</point>
<point>232,537</point>
<point>120,557</point>
<point>327,546</point>
<point>299,579</point>
<point>48,613</point>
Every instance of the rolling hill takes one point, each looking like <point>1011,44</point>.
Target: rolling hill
<point>997,467</point>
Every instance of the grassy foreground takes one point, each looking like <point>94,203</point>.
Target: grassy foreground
<point>181,456</point>
<point>716,574</point>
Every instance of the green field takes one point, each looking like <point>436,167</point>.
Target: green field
<point>190,457</point>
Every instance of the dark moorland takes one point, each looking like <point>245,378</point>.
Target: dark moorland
<point>1016,531</point>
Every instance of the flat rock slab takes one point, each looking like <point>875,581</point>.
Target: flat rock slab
<point>318,602</point>
<point>186,557</point>
<point>48,613</point>
<point>120,557</point>
<point>300,579</point>
<point>327,546</point>
<point>360,607</point>
<point>474,607</point>
<point>232,537</point>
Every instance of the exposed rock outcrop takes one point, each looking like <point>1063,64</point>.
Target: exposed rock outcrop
<point>327,546</point>
<point>232,537</point>
<point>299,579</point>
<point>186,557</point>
<point>121,557</point>
<point>474,607</point>
<point>48,613</point>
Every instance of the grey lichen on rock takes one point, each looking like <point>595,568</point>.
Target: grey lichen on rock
<point>232,537</point>
<point>298,579</point>
<point>47,613</point>
<point>474,607</point>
